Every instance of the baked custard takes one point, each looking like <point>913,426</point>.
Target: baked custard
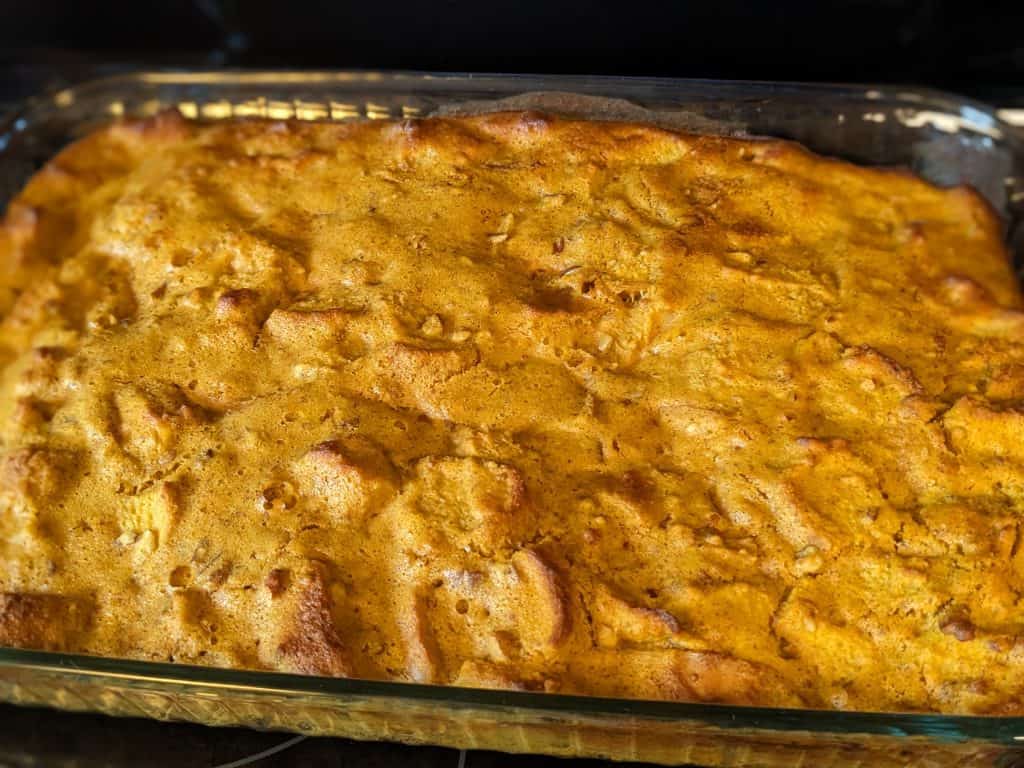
<point>514,401</point>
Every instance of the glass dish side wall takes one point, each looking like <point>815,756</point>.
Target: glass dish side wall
<point>944,139</point>
<point>567,726</point>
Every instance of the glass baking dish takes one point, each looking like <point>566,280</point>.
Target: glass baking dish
<point>943,138</point>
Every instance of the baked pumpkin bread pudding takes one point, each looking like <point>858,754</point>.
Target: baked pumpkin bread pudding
<point>514,401</point>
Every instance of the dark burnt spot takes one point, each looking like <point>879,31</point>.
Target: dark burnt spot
<point>277,581</point>
<point>49,354</point>
<point>750,228</point>
<point>959,628</point>
<point>549,299</point>
<point>631,298</point>
<point>219,576</point>
<point>637,487</point>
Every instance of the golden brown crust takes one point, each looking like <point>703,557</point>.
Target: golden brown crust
<point>311,644</point>
<point>518,402</point>
<point>43,622</point>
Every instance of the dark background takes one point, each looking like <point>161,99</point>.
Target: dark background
<point>975,48</point>
<point>972,47</point>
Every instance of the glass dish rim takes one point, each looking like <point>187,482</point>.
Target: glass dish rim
<point>978,116</point>
<point>1008,730</point>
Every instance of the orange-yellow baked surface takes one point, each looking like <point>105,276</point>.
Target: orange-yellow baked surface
<point>514,401</point>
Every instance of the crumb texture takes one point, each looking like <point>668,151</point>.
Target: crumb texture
<point>512,401</point>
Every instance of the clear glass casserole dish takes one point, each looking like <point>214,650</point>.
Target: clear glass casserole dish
<point>940,137</point>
